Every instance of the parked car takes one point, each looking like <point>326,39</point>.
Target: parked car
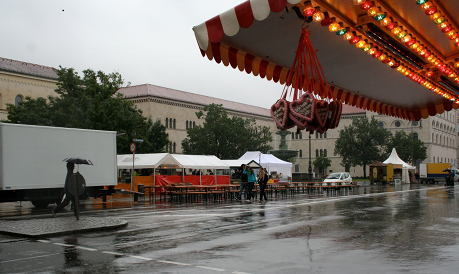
<point>338,177</point>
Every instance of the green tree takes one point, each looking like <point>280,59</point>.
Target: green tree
<point>321,163</point>
<point>408,146</point>
<point>362,143</point>
<point>91,101</point>
<point>224,136</point>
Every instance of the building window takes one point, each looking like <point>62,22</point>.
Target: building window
<point>317,153</point>
<point>174,146</point>
<point>186,124</point>
<point>300,154</point>
<point>18,100</point>
<point>325,153</point>
<point>194,124</point>
<point>300,135</point>
<point>414,123</point>
<point>325,135</point>
<point>293,135</point>
<point>397,123</point>
<point>167,122</point>
<point>174,124</point>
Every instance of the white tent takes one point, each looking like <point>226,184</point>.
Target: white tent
<point>199,161</point>
<point>270,162</point>
<point>151,160</point>
<point>239,162</point>
<point>154,160</point>
<point>394,159</point>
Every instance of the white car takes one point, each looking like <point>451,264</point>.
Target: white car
<point>338,177</point>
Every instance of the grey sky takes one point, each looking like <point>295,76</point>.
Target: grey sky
<point>146,41</point>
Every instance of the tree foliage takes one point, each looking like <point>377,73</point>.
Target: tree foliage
<point>409,147</point>
<point>362,143</point>
<point>321,163</point>
<point>224,136</point>
<point>92,102</point>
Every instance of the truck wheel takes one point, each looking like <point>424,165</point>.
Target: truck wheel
<point>40,204</point>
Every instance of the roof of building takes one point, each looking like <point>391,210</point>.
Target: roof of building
<point>20,67</point>
<point>188,97</point>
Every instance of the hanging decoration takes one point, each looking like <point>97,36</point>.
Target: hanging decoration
<point>358,39</point>
<point>305,77</point>
<point>440,19</point>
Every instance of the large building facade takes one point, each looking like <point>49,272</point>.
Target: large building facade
<point>177,112</point>
<point>20,79</point>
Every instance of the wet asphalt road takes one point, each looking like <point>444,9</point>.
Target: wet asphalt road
<point>409,229</point>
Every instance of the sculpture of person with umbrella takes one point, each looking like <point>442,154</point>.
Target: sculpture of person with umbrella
<point>74,187</point>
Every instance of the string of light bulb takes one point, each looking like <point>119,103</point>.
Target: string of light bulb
<point>356,38</point>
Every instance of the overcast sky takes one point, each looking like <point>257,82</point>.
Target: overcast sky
<point>147,41</point>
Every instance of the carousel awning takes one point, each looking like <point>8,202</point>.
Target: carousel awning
<point>382,55</point>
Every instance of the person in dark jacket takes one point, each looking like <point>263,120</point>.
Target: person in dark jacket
<point>244,183</point>
<point>67,197</point>
<point>263,178</point>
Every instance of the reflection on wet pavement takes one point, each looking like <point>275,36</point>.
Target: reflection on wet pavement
<point>377,229</point>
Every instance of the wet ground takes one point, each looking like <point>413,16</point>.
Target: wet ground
<point>407,229</point>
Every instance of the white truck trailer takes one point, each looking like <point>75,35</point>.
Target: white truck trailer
<point>32,166</point>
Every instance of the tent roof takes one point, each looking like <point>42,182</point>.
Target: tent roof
<point>199,161</point>
<point>260,37</point>
<point>239,162</point>
<point>151,160</point>
<point>394,159</point>
<point>263,158</point>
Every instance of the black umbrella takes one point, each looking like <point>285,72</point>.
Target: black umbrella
<point>78,161</point>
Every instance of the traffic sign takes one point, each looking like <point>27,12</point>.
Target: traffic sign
<point>132,147</point>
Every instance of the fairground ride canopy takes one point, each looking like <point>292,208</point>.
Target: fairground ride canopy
<point>398,58</point>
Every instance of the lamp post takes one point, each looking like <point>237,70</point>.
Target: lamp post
<point>310,163</point>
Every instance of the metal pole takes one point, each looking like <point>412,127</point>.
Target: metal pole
<point>200,177</point>
<point>132,172</point>
<point>310,164</point>
<point>183,175</point>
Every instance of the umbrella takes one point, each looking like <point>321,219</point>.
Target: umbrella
<point>78,161</point>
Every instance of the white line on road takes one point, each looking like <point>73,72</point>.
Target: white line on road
<point>140,257</point>
<point>113,253</point>
<point>210,268</point>
<point>61,244</point>
<point>170,262</point>
<point>43,241</point>
<point>239,272</point>
<point>85,248</point>
<point>29,258</point>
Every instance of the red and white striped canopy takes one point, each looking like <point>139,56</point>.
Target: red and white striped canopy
<point>260,38</point>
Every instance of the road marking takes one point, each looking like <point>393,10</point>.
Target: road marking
<point>85,248</point>
<point>170,262</point>
<point>239,272</point>
<point>210,268</point>
<point>43,241</point>
<point>140,258</point>
<point>29,258</point>
<point>61,244</point>
<point>113,253</point>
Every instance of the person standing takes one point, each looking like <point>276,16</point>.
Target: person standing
<point>251,178</point>
<point>243,187</point>
<point>262,183</point>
